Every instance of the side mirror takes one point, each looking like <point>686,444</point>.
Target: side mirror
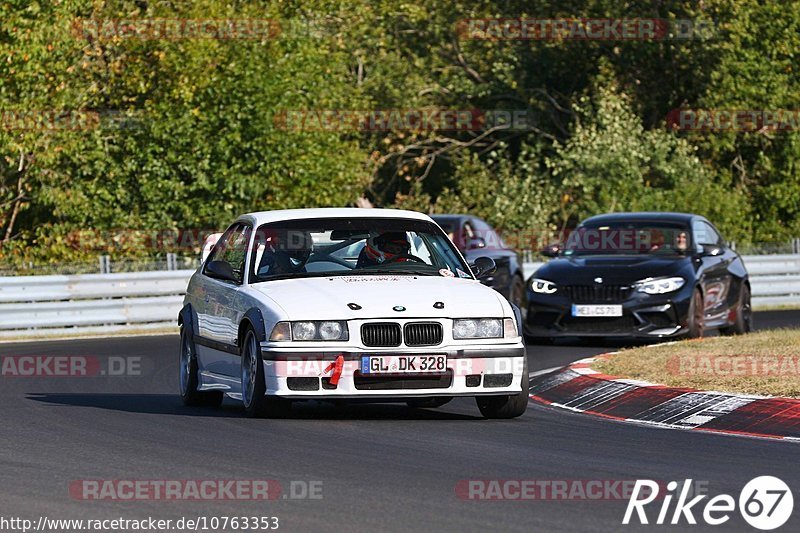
<point>208,245</point>
<point>711,249</point>
<point>221,270</point>
<point>551,251</point>
<point>476,243</point>
<point>483,267</point>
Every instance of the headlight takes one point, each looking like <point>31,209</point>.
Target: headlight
<point>660,285</point>
<point>478,328</point>
<point>542,286</point>
<point>330,330</point>
<point>327,330</point>
<point>304,331</point>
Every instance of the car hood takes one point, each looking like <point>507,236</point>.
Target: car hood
<point>328,298</point>
<point>614,269</point>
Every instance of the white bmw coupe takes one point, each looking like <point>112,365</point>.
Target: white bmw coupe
<point>338,304</point>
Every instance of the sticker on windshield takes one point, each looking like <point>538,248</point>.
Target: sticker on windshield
<point>446,272</point>
<point>462,274</point>
<point>358,279</point>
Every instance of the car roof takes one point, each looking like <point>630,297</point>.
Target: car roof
<point>264,217</point>
<point>655,216</point>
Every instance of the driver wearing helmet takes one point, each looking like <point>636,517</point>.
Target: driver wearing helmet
<point>386,247</point>
<point>284,252</point>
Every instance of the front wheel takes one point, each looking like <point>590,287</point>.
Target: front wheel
<point>189,380</point>
<point>696,322</point>
<point>507,406</point>
<point>256,403</point>
<point>516,294</point>
<point>744,315</point>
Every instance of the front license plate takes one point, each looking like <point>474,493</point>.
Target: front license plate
<point>596,310</point>
<point>404,364</point>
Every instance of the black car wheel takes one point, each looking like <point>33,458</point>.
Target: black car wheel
<point>188,377</point>
<point>507,406</point>
<point>256,404</point>
<point>516,294</point>
<point>696,321</point>
<point>744,315</point>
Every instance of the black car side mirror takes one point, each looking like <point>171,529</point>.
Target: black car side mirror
<point>221,270</point>
<point>551,251</point>
<point>483,266</point>
<point>711,249</point>
<point>476,243</point>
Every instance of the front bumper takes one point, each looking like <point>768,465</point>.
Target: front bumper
<point>478,370</point>
<point>643,316</point>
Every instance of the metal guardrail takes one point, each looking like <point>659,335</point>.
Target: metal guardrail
<point>33,306</point>
<point>37,306</point>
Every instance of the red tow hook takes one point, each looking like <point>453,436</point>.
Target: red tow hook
<point>337,367</point>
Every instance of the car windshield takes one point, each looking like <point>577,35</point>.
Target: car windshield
<point>628,238</point>
<point>357,246</point>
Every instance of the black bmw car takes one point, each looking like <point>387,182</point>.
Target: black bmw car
<point>642,275</point>
<point>476,238</point>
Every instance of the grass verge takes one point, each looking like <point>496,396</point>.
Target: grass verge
<point>763,363</point>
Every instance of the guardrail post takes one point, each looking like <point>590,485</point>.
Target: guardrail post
<point>796,245</point>
<point>172,261</point>
<point>105,264</point>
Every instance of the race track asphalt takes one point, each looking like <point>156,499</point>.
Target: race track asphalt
<point>381,467</point>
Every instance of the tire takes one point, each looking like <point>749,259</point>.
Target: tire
<point>744,315</point>
<point>188,376</point>
<point>516,293</point>
<point>696,320</point>
<point>428,403</point>
<point>256,403</point>
<point>507,406</point>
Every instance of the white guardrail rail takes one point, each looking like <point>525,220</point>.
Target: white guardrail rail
<point>38,306</point>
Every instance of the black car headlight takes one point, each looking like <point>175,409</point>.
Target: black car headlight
<point>542,286</point>
<point>660,285</point>
<point>320,330</point>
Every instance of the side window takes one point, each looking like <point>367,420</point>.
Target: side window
<point>468,233</point>
<point>703,233</point>
<point>232,249</point>
<point>489,235</point>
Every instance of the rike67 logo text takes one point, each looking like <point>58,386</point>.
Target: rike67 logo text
<point>765,503</point>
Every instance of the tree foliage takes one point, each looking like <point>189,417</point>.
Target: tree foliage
<point>187,133</point>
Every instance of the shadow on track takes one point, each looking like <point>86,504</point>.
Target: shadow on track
<point>169,404</point>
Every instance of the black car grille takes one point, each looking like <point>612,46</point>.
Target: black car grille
<point>423,334</point>
<point>621,324</point>
<point>597,293</point>
<point>379,334</point>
